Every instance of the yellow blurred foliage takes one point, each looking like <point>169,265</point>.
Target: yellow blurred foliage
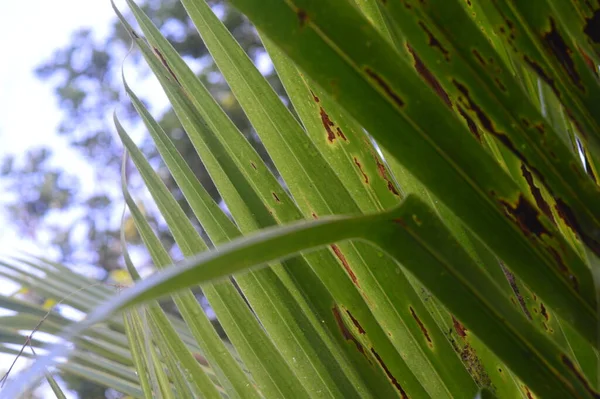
<point>49,303</point>
<point>121,276</point>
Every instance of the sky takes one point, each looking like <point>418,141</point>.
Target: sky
<point>30,31</point>
<point>29,115</point>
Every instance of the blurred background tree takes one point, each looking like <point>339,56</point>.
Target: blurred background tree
<point>48,201</point>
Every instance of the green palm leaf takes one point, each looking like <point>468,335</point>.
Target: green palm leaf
<point>430,229</point>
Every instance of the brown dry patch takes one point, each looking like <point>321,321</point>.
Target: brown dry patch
<point>480,59</point>
<point>383,174</point>
<point>276,197</point>
<point>588,60</point>
<point>429,78</point>
<point>421,326</point>
<point>544,312</point>
<point>567,214</point>
<point>513,285</point>
<point>470,123</point>
<point>433,42</point>
<point>385,87</point>
<point>525,216</point>
<point>355,322</point>
<point>528,393</point>
<point>338,253</point>
<point>329,125</point>
<point>537,194</point>
<point>165,63</point>
<point>567,362</point>
<point>314,96</point>
<point>302,17</point>
<point>592,27</point>
<point>390,376</point>
<point>345,331</point>
<point>563,53</point>
<point>542,74</point>
<point>400,221</point>
<point>475,367</point>
<point>460,329</point>
<point>500,84</point>
<point>484,120</point>
<point>358,164</point>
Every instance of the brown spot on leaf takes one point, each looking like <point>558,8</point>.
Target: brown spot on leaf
<point>276,197</point>
<point>385,87</point>
<point>537,194</point>
<point>383,173</point>
<point>433,42</point>
<point>302,17</point>
<point>544,312</point>
<point>540,128</point>
<point>390,376</point>
<point>338,253</point>
<point>355,322</point>
<point>328,124</point>
<point>357,163</point>
<point>525,216</point>
<point>460,329</point>
<point>561,265</point>
<point>592,27</point>
<point>563,53</point>
<point>429,78</point>
<point>166,65</point>
<point>542,74</point>
<point>567,214</point>
<point>400,221</point>
<point>528,393</point>
<point>500,84</point>
<point>588,60</point>
<point>485,121</point>
<point>475,367</point>
<point>314,96</point>
<point>515,288</point>
<point>470,123</point>
<point>314,215</point>
<point>571,366</point>
<point>421,326</point>
<point>480,59</point>
<point>345,331</point>
<point>253,165</point>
